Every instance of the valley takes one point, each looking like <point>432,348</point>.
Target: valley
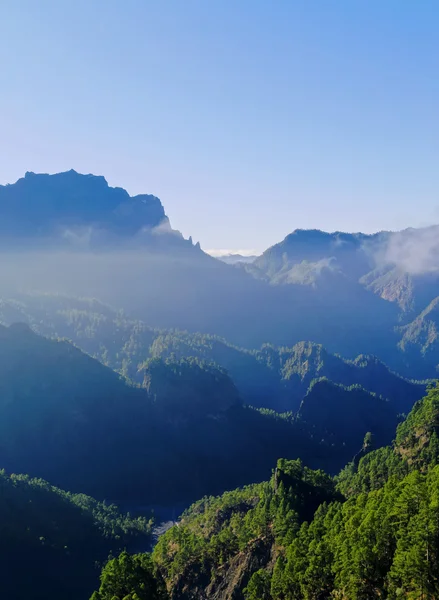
<point>219,300</point>
<point>142,381</point>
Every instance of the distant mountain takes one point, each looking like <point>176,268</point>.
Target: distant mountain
<point>73,234</point>
<point>70,205</point>
<point>234,259</point>
<point>401,267</point>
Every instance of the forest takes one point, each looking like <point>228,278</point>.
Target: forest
<point>283,414</point>
<point>370,532</point>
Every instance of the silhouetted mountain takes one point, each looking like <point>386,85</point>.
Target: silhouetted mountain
<point>72,233</point>
<point>78,208</point>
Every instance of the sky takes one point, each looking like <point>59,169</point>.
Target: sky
<point>248,118</point>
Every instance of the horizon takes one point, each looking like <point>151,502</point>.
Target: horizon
<point>247,121</point>
<point>222,252</point>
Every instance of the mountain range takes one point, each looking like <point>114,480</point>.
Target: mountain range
<point>182,433</point>
<point>352,293</point>
<point>137,369</point>
<point>270,377</point>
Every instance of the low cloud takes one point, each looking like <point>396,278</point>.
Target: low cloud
<point>414,251</point>
<point>220,252</point>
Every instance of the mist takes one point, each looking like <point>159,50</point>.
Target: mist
<point>412,251</point>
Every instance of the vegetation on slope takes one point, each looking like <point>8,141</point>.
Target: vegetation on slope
<point>275,378</point>
<point>184,433</point>
<point>58,536</point>
<point>373,533</point>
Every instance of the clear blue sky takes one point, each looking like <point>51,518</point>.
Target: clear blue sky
<point>247,118</point>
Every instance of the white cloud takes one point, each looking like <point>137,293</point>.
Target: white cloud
<point>227,251</point>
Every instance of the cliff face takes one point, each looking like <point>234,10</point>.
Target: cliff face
<point>223,545</point>
<point>64,204</point>
<point>230,579</point>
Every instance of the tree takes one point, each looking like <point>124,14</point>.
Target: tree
<point>259,586</point>
<point>130,577</point>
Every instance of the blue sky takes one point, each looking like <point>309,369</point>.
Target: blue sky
<point>247,118</point>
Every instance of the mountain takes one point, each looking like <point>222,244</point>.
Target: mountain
<point>235,259</point>
<point>401,268</point>
<point>51,539</point>
<point>41,206</point>
<point>304,255</point>
<point>73,234</point>
<point>336,411</point>
<point>419,339</point>
<point>230,536</point>
<point>181,434</point>
<point>353,293</point>
<point>370,533</point>
<point>271,377</point>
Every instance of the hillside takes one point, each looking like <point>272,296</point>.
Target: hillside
<point>401,268</point>
<point>271,377</point>
<point>59,536</point>
<point>335,412</point>
<point>183,433</point>
<point>372,534</point>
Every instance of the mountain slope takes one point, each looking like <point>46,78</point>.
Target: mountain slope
<point>59,537</point>
<point>335,412</point>
<point>276,378</point>
<point>184,433</point>
<point>401,268</point>
<point>296,536</point>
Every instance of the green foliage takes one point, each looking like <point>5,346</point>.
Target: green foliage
<point>384,542</point>
<point>59,536</point>
<point>372,472</point>
<point>130,577</point>
<point>259,586</point>
<point>32,509</point>
<point>275,378</point>
<point>380,539</point>
<point>214,530</point>
<point>181,434</point>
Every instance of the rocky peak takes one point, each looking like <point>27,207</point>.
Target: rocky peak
<point>43,205</point>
